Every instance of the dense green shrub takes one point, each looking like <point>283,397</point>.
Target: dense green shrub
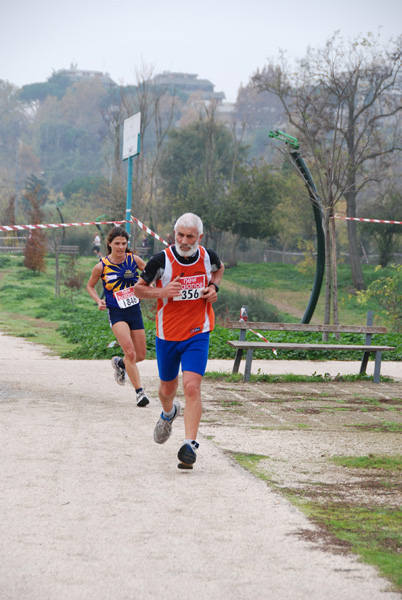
<point>90,330</point>
<point>387,290</point>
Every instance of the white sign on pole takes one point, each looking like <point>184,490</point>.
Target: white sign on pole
<point>131,131</point>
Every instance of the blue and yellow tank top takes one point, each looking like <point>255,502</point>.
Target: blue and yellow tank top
<point>118,277</point>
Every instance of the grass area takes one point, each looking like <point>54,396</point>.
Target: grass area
<point>36,330</point>
<point>72,326</point>
<point>24,296</point>
<point>383,426</point>
<point>289,377</point>
<point>372,461</point>
<point>286,285</point>
<point>251,462</point>
<point>374,533</point>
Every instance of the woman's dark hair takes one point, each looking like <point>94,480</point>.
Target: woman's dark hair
<point>114,233</point>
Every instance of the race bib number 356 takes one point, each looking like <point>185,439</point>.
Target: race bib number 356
<point>191,287</point>
<point>126,297</point>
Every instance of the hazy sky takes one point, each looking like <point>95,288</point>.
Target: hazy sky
<point>220,40</point>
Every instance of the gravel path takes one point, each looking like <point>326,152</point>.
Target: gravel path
<point>92,509</point>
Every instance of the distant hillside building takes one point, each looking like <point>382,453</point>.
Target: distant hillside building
<point>75,74</point>
<point>189,84</point>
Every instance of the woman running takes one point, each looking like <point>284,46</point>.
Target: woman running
<point>118,271</point>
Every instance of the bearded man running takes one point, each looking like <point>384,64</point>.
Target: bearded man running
<point>186,279</point>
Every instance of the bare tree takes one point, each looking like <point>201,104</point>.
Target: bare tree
<point>113,116</point>
<point>163,121</point>
<point>344,102</point>
<point>157,108</point>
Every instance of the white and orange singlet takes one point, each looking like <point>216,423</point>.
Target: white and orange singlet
<point>186,315</point>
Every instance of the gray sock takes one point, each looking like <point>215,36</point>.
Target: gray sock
<point>171,413</point>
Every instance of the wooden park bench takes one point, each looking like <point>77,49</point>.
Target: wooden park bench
<point>12,244</point>
<point>64,249</point>
<point>367,348</point>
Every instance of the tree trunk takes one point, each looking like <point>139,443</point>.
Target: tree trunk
<point>231,248</point>
<point>334,282</point>
<point>57,273</point>
<point>354,250</point>
<point>350,196</point>
<point>328,276</point>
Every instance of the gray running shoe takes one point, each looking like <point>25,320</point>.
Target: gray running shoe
<point>142,399</point>
<point>119,373</point>
<point>163,428</point>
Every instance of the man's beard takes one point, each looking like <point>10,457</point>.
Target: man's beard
<point>186,253</point>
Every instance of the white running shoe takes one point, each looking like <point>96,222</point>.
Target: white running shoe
<point>119,373</point>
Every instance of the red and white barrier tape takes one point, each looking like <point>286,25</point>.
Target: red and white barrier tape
<point>145,228</point>
<point>148,230</point>
<point>368,220</point>
<point>263,338</point>
<point>260,336</point>
<point>55,225</point>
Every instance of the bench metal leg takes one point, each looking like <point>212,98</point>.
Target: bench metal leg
<point>239,353</point>
<point>238,357</point>
<point>377,366</point>
<point>249,359</point>
<point>363,366</point>
<point>369,323</point>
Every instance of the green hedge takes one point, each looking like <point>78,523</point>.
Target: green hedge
<point>90,330</point>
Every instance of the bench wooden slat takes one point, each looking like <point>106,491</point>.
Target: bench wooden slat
<point>293,346</point>
<point>305,327</point>
<point>64,249</point>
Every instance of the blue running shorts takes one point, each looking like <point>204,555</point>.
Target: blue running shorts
<point>132,316</point>
<point>192,354</point>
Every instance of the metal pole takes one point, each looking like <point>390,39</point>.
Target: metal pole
<point>129,194</point>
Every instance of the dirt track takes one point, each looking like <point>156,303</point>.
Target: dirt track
<point>93,509</point>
